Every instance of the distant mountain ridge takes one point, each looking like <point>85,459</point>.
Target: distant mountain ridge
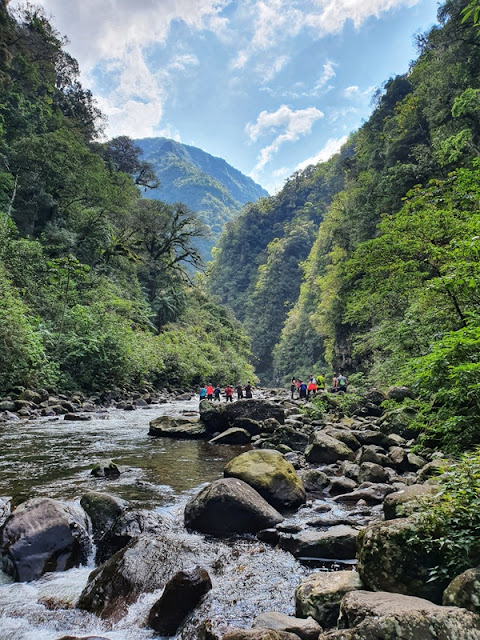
<point>207,184</point>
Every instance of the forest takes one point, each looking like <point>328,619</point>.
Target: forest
<point>369,263</point>
<point>94,278</point>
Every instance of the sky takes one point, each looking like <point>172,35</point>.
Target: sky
<point>269,85</point>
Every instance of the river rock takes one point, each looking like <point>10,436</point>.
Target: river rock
<point>314,480</point>
<point>255,409</point>
<point>105,469</point>
<point>390,616</point>
<point>271,475</point>
<point>371,493</point>
<point>371,472</point>
<point>130,524</point>
<point>143,566</point>
<point>103,511</point>
<point>229,506</point>
<point>399,393</point>
<point>341,485</point>
<point>337,543</point>
<point>433,468</point>
<point>373,453</point>
<point>350,470</point>
<point>31,396</point>
<point>400,421</point>
<point>214,416</point>
<point>320,594</point>
<point>371,436</point>
<point>252,426</point>
<point>232,436</point>
<point>404,502</point>
<point>287,435</point>
<point>258,634</point>
<point>387,563</point>
<point>7,405</point>
<point>182,428</point>
<point>75,417</point>
<point>304,628</point>
<point>464,591</point>
<point>181,595</point>
<point>325,449</point>
<point>345,436</point>
<point>42,535</point>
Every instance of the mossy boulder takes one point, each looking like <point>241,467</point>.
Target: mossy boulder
<point>406,501</point>
<point>389,561</point>
<point>464,591</point>
<point>267,471</point>
<point>103,511</point>
<point>400,421</point>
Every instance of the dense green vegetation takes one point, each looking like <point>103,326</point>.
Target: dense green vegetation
<point>384,283</point>
<point>206,184</point>
<point>93,280</point>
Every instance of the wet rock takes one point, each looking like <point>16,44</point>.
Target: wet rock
<point>270,424</point>
<point>58,409</point>
<point>181,595</point>
<point>183,397</point>
<point>8,416</point>
<point>103,511</point>
<point>390,616</point>
<point>415,462</point>
<point>42,535</point>
<point>31,396</point>
<point>105,469</point>
<point>7,405</point>
<point>372,494</point>
<point>404,502</point>
<point>74,417</point>
<point>398,456</point>
<point>370,436</point>
<point>325,449</point>
<point>314,480</point>
<point>229,506</point>
<point>342,485</point>
<point>338,543</point>
<point>387,563</point>
<point>464,591</point>
<point>271,475</point>
<point>214,417</point>
<point>255,409</point>
<point>287,435</point>
<point>304,628</point>
<point>258,634</point>
<point>182,428</point>
<point>130,524</point>
<point>232,436</point>
<point>83,638</point>
<point>145,565</point>
<point>350,470</point>
<point>371,472</point>
<point>320,594</point>
<point>295,458</point>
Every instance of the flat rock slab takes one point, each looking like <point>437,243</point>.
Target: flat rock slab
<point>181,428</point>
<point>304,628</point>
<point>338,543</point>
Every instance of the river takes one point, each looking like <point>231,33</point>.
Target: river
<point>52,457</point>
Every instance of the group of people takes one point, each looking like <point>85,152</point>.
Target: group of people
<point>310,388</point>
<point>210,392</point>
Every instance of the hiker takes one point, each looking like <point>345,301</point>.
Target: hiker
<point>334,388</point>
<point>293,386</point>
<point>209,391</point>
<point>248,390</point>
<point>303,390</point>
<point>239,390</point>
<point>312,387</point>
<point>203,393</point>
<point>321,381</point>
<point>342,383</point>
<point>216,393</point>
<point>228,393</point>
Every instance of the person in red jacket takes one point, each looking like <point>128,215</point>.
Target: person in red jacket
<point>228,393</point>
<point>209,391</point>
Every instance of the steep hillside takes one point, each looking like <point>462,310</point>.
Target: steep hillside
<point>208,185</point>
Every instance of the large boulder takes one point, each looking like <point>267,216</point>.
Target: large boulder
<point>287,435</point>
<point>391,616</point>
<point>387,563</point>
<point>182,428</point>
<point>219,417</point>
<point>268,472</point>
<point>325,449</point>
<point>229,506</point>
<point>320,594</point>
<point>404,502</point>
<point>337,543</point>
<point>464,591</point>
<point>371,472</point>
<point>234,435</point>
<point>143,566</point>
<point>213,416</point>
<point>181,595</point>
<point>42,535</point>
<point>304,628</point>
<point>400,421</point>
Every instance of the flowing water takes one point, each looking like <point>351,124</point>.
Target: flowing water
<point>52,457</point>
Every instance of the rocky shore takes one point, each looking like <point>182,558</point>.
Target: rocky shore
<point>366,583</point>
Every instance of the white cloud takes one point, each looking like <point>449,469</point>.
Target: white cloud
<point>293,124</point>
<point>181,62</point>
<point>328,74</point>
<point>332,146</point>
<point>354,92</point>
